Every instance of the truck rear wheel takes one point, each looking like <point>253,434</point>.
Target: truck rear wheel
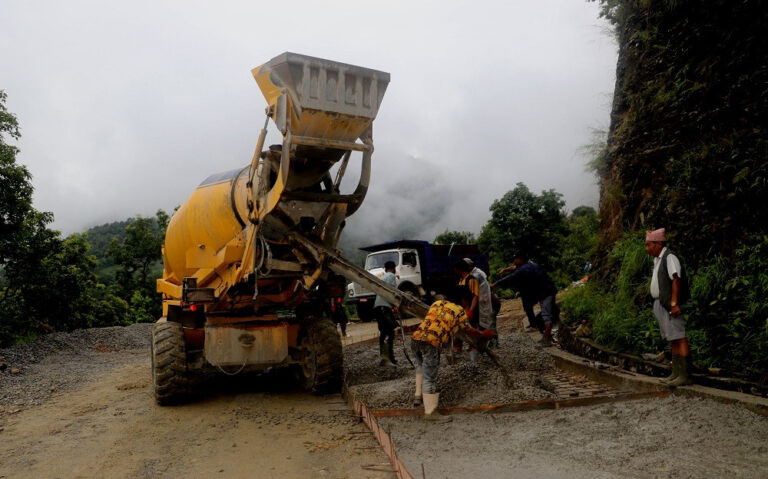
<point>364,312</point>
<point>322,365</point>
<point>169,363</point>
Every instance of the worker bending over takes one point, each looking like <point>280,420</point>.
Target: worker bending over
<point>444,321</point>
<point>534,286</point>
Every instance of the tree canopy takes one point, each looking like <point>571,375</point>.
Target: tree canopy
<point>455,237</point>
<point>523,222</point>
<point>48,283</point>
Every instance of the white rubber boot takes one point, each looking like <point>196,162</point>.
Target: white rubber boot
<point>473,356</point>
<point>417,399</point>
<point>430,406</point>
<point>430,403</point>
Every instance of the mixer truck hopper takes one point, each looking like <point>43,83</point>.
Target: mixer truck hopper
<point>249,259</point>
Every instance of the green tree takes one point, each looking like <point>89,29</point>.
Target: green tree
<point>15,187</point>
<point>46,283</point>
<point>22,308</point>
<point>455,237</point>
<point>138,258</point>
<point>523,222</point>
<point>138,251</point>
<point>578,247</point>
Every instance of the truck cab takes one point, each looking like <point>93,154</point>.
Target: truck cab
<point>422,268</point>
<point>407,274</point>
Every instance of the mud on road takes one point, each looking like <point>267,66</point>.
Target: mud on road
<point>460,384</point>
<point>676,437</point>
<point>82,406</point>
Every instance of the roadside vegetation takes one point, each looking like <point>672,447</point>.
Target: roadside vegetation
<point>539,226</point>
<point>103,277</point>
<point>687,151</point>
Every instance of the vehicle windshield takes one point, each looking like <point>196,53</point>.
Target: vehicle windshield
<point>377,260</point>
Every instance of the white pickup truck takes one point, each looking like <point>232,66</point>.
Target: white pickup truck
<point>421,268</point>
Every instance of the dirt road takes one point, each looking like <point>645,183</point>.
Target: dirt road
<point>109,426</point>
<point>79,405</point>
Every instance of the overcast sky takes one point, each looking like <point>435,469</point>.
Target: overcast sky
<point>126,106</point>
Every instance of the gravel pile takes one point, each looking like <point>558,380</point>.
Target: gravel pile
<point>459,384</point>
<point>35,371</point>
<point>79,341</point>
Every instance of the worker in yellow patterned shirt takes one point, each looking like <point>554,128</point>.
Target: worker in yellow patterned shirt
<point>444,321</point>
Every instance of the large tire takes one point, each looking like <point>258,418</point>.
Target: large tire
<point>169,363</point>
<point>322,366</point>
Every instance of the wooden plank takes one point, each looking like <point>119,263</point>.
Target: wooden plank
<point>525,405</point>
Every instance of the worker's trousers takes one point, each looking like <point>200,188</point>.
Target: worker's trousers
<point>385,319</point>
<point>427,359</point>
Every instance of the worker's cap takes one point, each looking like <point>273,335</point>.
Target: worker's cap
<point>469,262</point>
<point>658,235</point>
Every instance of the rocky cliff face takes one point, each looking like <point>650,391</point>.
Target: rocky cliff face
<point>688,142</point>
<point>688,150</point>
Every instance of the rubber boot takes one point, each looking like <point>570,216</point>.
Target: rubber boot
<point>383,355</point>
<point>682,373</point>
<point>430,406</point>
<point>546,340</point>
<point>391,354</point>
<point>386,353</point>
<point>675,369</point>
<point>417,399</point>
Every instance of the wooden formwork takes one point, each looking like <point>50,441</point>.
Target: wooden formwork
<point>384,439</point>
<point>599,396</point>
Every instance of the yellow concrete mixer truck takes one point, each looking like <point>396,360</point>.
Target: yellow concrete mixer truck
<point>250,260</point>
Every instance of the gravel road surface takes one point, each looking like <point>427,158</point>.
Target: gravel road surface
<point>81,406</point>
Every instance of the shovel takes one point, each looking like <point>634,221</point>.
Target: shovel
<point>402,333</point>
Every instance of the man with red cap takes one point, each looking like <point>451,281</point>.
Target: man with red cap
<point>669,292</point>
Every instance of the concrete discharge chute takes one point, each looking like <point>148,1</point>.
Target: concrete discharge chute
<point>249,259</point>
